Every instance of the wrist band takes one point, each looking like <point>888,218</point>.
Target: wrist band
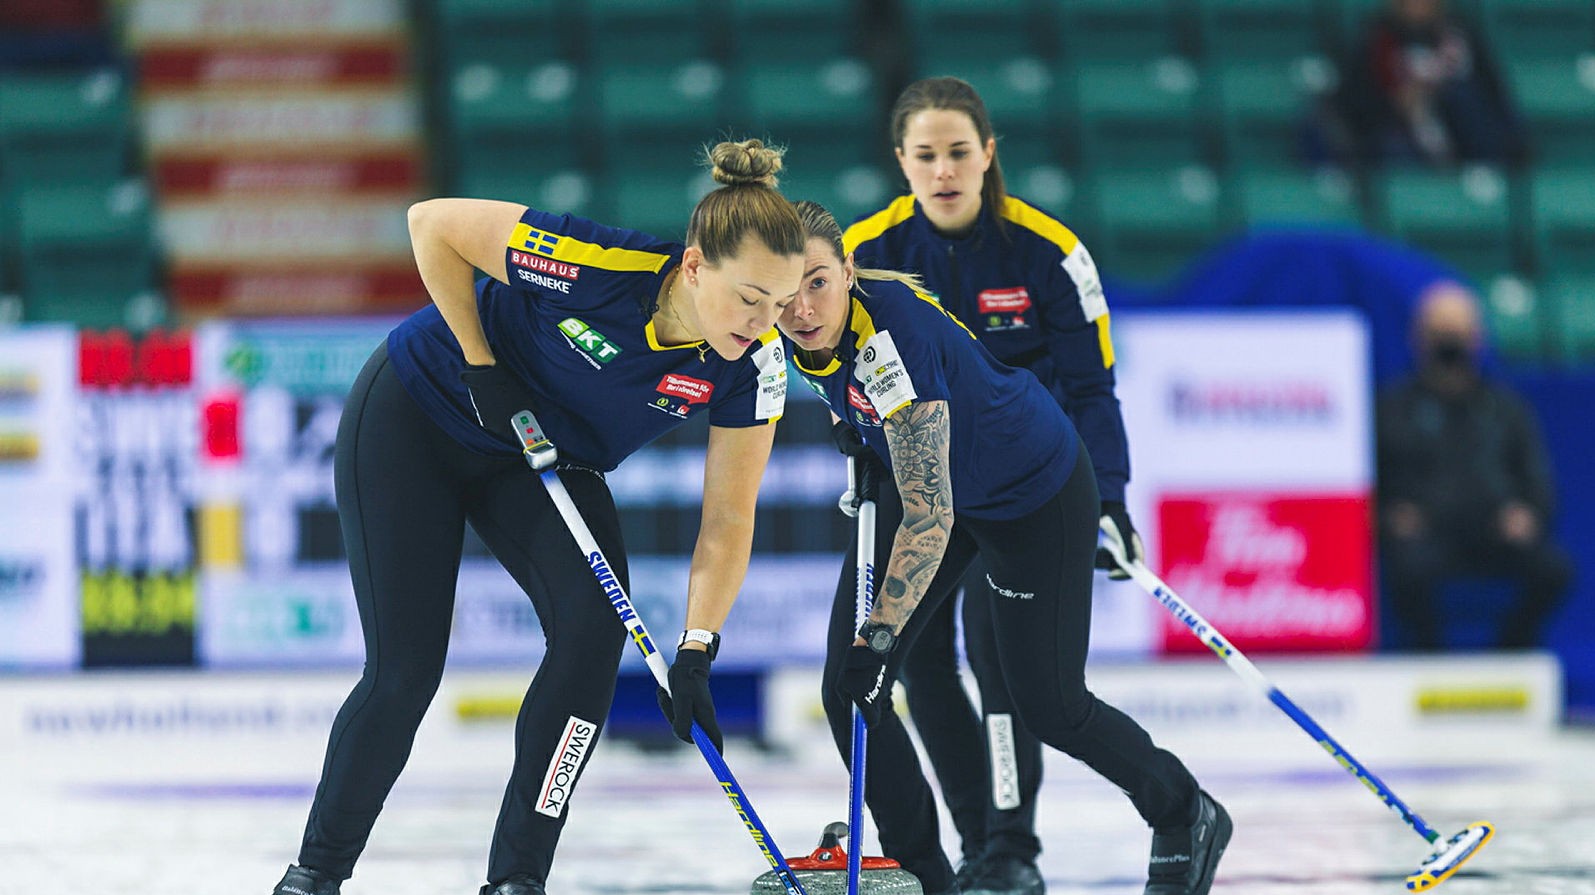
<point>709,639</point>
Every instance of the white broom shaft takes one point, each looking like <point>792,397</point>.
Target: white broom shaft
<point>590,549</point>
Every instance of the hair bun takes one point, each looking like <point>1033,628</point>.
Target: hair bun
<point>745,162</point>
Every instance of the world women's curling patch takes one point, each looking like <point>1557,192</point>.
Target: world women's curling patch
<point>881,371</point>
<point>770,360</point>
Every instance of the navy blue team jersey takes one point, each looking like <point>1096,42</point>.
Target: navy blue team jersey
<point>574,326</point>
<point>1029,290</point>
<point>1012,447</point>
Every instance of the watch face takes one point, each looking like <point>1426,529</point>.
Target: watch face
<point>881,640</point>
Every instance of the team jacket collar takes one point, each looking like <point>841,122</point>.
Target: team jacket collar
<point>648,331</point>
<point>974,239</point>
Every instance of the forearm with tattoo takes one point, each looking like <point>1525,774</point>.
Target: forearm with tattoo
<point>918,437</point>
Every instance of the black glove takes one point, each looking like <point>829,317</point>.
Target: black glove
<point>864,681</point>
<point>689,699</point>
<point>848,441</point>
<point>497,395</point>
<point>868,471</point>
<point>1120,531</point>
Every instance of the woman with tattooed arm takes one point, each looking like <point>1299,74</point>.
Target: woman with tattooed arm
<point>984,463</point>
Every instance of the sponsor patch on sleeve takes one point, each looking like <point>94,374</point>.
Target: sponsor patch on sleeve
<point>885,378</point>
<point>565,766</point>
<point>770,361</point>
<point>1083,271</point>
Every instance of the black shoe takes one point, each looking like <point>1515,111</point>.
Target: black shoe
<point>304,881</point>
<point>1184,859</point>
<point>1005,875</point>
<point>519,884</point>
<point>968,871</point>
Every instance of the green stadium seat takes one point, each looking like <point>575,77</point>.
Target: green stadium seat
<point>1121,30</point>
<point>1465,219</point>
<point>1562,215</point>
<point>1020,93</point>
<point>944,32</point>
<point>1274,197</point>
<point>1520,30</point>
<point>559,191</point>
<point>832,103</point>
<point>848,192</point>
<point>1262,105</point>
<point>1021,151</point>
<point>520,117</point>
<point>1557,99</point>
<point>1351,20</point>
<point>10,289</point>
<point>1234,30</point>
<point>93,309</point>
<point>63,128</point>
<point>85,254</point>
<point>1515,319</point>
<point>657,203</point>
<point>510,32</point>
<point>792,30</point>
<point>1052,189</point>
<point>1140,114</point>
<point>621,33</point>
<point>1572,301</point>
<point>646,98</point>
<point>1153,222</point>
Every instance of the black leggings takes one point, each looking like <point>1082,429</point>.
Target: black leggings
<point>1039,591</point>
<point>405,491</point>
<point>989,768</point>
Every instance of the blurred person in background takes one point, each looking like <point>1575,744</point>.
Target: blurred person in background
<point>1465,485</point>
<point>1422,86</point>
<point>974,458</point>
<point>611,337</point>
<point>1028,290</point>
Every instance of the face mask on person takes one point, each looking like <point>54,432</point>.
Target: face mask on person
<point>1450,353</point>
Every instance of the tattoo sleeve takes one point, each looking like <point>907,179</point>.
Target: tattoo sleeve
<point>918,437</point>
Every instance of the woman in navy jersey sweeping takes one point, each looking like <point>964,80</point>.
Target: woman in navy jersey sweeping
<point>985,463</point>
<point>611,337</point>
<point>1029,291</point>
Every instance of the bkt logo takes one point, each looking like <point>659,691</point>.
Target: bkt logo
<point>589,341</point>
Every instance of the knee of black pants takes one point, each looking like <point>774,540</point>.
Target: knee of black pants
<point>402,688</point>
<point>1054,722</point>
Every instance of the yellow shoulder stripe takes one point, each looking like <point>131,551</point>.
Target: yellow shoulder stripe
<point>901,209</point>
<point>1105,341</point>
<point>1040,224</point>
<point>571,250</point>
<point>935,302</point>
<point>863,325</point>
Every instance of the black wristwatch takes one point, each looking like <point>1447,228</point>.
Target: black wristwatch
<point>878,636</point>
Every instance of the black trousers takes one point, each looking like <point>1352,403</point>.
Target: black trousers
<point>1415,568</point>
<point>405,490</point>
<point>988,764</point>
<point>1039,593</point>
